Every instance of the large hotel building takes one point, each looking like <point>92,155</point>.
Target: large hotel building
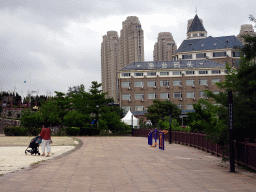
<point>179,75</point>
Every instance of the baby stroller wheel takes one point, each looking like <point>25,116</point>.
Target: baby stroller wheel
<point>39,154</point>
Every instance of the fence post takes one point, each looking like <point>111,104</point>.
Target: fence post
<point>246,141</point>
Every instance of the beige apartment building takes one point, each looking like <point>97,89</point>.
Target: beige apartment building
<point>246,29</point>
<point>181,82</point>
<point>164,48</point>
<point>109,63</point>
<point>117,53</point>
<point>131,43</point>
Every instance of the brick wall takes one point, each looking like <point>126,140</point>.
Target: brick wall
<point>8,123</point>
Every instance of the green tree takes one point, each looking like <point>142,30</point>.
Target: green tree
<point>242,83</point>
<point>76,119</point>
<point>160,109</point>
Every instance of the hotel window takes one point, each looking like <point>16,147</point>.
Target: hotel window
<point>187,56</point>
<point>180,107</point>
<point>176,72</point>
<point>139,96</point>
<point>126,84</point>
<point>202,94</point>
<point>189,107</point>
<point>190,94</point>
<point>164,96</point>
<point>125,74</point>
<point>151,73</point>
<point>214,81</point>
<point>151,83</point>
<point>216,92</point>
<point>164,73</point>
<point>203,82</point>
<point>164,83</point>
<point>190,72</point>
<point>237,54</point>
<point>138,74</point>
<point>202,72</point>
<point>215,71</point>
<point>177,95</point>
<point>126,108</point>
<point>139,108</point>
<point>219,54</point>
<point>151,95</point>
<point>200,55</point>
<point>190,82</point>
<point>126,96</point>
<point>177,83</point>
<point>138,84</point>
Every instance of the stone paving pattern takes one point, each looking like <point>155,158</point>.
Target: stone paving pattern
<point>128,164</point>
<point>25,141</point>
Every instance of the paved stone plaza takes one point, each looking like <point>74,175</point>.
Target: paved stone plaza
<point>128,164</point>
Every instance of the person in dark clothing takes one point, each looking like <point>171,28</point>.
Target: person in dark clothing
<point>46,140</point>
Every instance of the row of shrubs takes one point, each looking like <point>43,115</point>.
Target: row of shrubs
<point>82,131</point>
<point>70,131</point>
<point>21,131</point>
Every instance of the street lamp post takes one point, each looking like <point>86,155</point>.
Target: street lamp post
<point>231,142</point>
<point>170,126</point>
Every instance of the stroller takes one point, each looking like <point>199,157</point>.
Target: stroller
<point>34,144</point>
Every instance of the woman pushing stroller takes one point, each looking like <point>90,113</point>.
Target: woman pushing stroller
<point>46,140</point>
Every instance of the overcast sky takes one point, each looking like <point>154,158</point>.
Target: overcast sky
<point>55,44</point>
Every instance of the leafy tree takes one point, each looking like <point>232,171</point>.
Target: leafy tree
<point>76,119</point>
<point>49,113</point>
<point>160,109</point>
<point>242,83</point>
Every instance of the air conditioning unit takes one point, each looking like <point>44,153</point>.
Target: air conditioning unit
<point>142,100</point>
<point>206,86</point>
<point>194,98</point>
<point>142,87</point>
<point>193,86</point>
<point>180,86</point>
<point>180,99</point>
<point>167,87</point>
<point>129,100</point>
<point>129,88</point>
<point>154,87</point>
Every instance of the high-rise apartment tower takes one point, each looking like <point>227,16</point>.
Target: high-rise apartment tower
<point>117,53</point>
<point>131,42</point>
<point>109,62</point>
<point>165,47</point>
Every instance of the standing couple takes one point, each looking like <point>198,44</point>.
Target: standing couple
<point>46,140</point>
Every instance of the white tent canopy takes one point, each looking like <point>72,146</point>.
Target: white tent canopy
<point>127,119</point>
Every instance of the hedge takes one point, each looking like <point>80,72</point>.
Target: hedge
<point>16,131</point>
<point>89,131</point>
<point>72,131</point>
<point>21,131</point>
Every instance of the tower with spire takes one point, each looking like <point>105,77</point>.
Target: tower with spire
<point>196,29</point>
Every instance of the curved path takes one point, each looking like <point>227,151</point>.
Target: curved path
<point>129,164</point>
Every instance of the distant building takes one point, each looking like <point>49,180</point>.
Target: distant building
<point>246,29</point>
<point>117,53</point>
<point>198,46</point>
<point>165,47</point>
<point>109,63</point>
<point>181,82</point>
<point>131,43</point>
